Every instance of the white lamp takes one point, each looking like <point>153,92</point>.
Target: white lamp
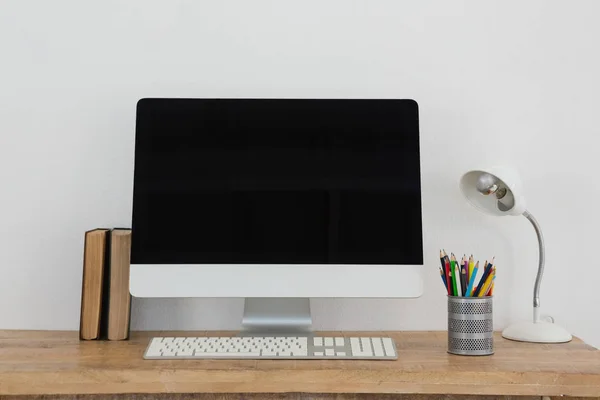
<point>498,191</point>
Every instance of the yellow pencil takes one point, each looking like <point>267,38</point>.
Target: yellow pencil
<point>487,283</point>
<point>471,266</point>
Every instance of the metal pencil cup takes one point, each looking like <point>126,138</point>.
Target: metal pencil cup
<point>470,326</point>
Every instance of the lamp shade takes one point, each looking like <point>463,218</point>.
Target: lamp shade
<point>496,191</point>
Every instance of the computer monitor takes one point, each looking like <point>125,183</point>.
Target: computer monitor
<point>277,200</point>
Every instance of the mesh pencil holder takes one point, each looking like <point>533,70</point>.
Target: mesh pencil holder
<point>470,326</point>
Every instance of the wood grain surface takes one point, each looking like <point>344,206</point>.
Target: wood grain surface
<point>271,396</point>
<point>57,363</point>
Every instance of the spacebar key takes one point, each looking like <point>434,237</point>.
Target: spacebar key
<point>227,355</point>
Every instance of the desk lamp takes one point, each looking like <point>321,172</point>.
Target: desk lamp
<point>498,191</point>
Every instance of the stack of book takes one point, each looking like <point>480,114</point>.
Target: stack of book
<point>105,298</point>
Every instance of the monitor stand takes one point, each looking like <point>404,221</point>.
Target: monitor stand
<point>276,316</point>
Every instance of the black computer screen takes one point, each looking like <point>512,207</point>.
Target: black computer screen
<point>277,181</point>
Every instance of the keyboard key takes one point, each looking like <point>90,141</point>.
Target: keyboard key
<point>328,341</point>
<point>341,354</point>
<point>153,353</point>
<point>329,352</point>
<point>154,349</point>
<point>168,353</point>
<point>318,353</point>
<point>377,347</point>
<point>355,345</point>
<point>361,347</point>
<point>388,345</point>
<point>366,346</point>
<point>318,341</point>
<point>339,341</point>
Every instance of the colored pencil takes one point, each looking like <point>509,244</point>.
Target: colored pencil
<point>478,282</point>
<point>463,275</point>
<point>446,268</point>
<point>461,268</point>
<point>486,285</point>
<point>448,272</point>
<point>443,275</point>
<point>454,277</point>
<point>472,280</point>
<point>443,268</point>
<point>458,284</point>
<point>491,291</point>
<point>445,255</point>
<point>471,265</point>
<point>486,273</point>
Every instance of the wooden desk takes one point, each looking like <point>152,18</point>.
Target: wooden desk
<point>57,363</point>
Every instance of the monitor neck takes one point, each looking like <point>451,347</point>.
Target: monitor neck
<point>282,316</point>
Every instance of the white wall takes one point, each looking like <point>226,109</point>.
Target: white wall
<point>503,81</point>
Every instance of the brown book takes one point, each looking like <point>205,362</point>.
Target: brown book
<point>119,299</point>
<point>91,288</point>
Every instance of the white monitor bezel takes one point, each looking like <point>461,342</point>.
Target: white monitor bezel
<point>276,280</point>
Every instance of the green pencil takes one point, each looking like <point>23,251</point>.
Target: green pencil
<point>454,277</point>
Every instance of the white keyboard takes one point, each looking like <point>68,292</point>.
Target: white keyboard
<point>271,347</point>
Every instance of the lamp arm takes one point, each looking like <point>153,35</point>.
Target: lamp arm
<point>542,259</point>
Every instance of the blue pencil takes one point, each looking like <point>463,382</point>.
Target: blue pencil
<point>472,280</point>
<point>444,279</point>
<point>486,272</point>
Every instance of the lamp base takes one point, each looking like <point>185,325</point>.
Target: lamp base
<point>537,332</point>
